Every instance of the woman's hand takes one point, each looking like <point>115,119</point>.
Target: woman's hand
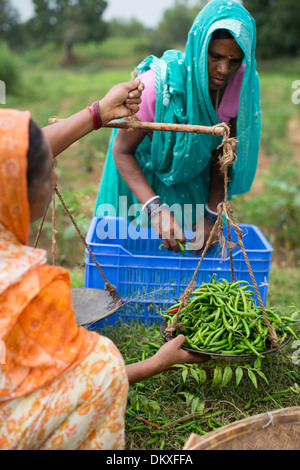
<point>202,233</point>
<point>170,354</point>
<point>121,100</point>
<point>168,230</point>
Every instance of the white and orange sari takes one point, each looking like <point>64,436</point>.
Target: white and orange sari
<point>61,387</point>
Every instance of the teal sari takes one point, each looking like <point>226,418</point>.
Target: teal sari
<point>177,165</point>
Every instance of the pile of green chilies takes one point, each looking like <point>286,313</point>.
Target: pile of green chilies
<point>221,317</point>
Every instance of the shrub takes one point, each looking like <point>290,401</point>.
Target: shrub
<point>9,72</point>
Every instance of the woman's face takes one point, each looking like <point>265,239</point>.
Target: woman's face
<point>40,191</point>
<point>224,58</point>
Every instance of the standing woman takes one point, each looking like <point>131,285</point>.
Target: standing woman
<point>214,81</point>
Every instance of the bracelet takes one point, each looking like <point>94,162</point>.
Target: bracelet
<point>152,204</point>
<point>156,210</point>
<point>212,211</point>
<point>96,115</point>
<point>210,215</point>
<point>95,112</point>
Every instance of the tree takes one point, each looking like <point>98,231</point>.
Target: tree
<point>68,22</point>
<point>173,29</point>
<point>9,23</point>
<point>277,23</point>
<point>126,29</point>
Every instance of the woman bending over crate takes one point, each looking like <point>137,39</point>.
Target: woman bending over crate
<point>214,81</point>
<point>61,386</point>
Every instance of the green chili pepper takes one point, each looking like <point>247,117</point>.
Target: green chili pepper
<point>225,322</point>
<point>153,345</point>
<point>289,319</point>
<point>136,428</point>
<point>246,327</point>
<point>249,402</point>
<point>217,335</point>
<point>244,299</point>
<point>152,441</point>
<point>290,330</point>
<point>237,300</point>
<point>252,348</point>
<point>238,312</point>
<point>283,338</point>
<point>181,248</point>
<point>162,444</point>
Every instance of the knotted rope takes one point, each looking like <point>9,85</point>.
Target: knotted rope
<point>111,288</point>
<point>133,117</point>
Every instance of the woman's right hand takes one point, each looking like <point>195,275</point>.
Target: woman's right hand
<point>168,230</point>
<point>121,101</point>
<point>203,230</point>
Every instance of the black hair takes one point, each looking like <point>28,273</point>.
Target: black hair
<point>221,34</point>
<point>37,152</point>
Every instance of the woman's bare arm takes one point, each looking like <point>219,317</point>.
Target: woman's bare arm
<point>124,148</point>
<point>125,144</point>
<point>167,356</point>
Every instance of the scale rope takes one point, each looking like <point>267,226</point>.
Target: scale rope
<point>226,160</point>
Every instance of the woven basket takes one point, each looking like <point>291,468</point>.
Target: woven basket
<point>276,430</point>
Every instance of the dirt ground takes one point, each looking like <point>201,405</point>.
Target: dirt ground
<point>294,137</point>
<point>262,167</point>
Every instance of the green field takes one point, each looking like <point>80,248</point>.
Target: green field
<point>181,401</point>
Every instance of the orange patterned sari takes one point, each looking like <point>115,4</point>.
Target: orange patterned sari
<point>59,384</point>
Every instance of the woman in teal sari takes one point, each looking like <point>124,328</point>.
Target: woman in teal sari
<point>214,81</point>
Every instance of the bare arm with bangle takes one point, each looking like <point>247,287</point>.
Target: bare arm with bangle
<point>122,100</point>
<point>165,225</point>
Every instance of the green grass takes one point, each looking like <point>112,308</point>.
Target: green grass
<point>169,407</point>
<point>284,287</point>
<point>164,410</point>
<point>276,208</point>
<point>277,110</point>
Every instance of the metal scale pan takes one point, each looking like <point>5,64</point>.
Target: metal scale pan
<point>222,356</point>
<point>92,305</point>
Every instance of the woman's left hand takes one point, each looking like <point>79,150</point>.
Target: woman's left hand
<point>171,353</point>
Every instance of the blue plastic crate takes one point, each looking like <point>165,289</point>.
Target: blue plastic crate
<point>148,279</point>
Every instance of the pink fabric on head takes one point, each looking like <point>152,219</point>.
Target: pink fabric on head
<point>228,108</point>
<point>148,104</point>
